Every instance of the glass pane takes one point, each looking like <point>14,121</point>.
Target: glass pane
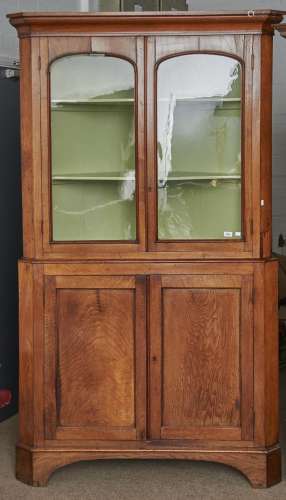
<point>93,149</point>
<point>199,148</point>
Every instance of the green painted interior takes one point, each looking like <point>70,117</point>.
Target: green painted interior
<point>92,138</point>
<point>201,209</point>
<point>199,159</point>
<point>93,161</point>
<point>212,142</point>
<point>93,210</point>
<point>199,167</point>
<point>205,203</point>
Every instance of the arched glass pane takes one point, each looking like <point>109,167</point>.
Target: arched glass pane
<point>199,148</point>
<point>93,149</point>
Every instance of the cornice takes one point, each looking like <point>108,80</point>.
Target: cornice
<point>45,23</point>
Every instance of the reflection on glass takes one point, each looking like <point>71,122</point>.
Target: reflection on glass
<point>199,148</point>
<point>93,149</point>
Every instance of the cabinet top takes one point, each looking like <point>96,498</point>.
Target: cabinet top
<point>258,21</point>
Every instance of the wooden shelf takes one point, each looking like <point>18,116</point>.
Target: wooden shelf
<point>203,99</point>
<point>61,102</point>
<point>199,177</point>
<point>94,177</point>
<point>121,178</point>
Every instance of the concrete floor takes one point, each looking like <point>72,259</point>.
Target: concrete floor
<point>134,480</point>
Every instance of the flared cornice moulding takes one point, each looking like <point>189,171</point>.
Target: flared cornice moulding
<point>43,23</point>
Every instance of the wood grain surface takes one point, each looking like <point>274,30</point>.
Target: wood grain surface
<point>95,357</point>
<point>201,358</point>
<point>92,336</point>
<point>148,350</point>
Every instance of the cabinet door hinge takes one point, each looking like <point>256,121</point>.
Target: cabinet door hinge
<point>252,61</point>
<point>253,296</point>
<point>42,227</point>
<point>39,62</point>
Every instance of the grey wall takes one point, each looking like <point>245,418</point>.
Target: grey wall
<point>9,47</point>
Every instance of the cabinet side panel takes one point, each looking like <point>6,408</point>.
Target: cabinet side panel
<point>26,147</point>
<point>254,96</point>
<point>271,361</point>
<point>266,144</point>
<point>38,362</point>
<point>201,357</point>
<point>95,366</point>
<point>259,347</point>
<point>26,346</point>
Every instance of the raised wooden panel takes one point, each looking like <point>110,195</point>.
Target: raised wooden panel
<point>58,46</point>
<point>95,357</point>
<point>93,332</point>
<point>202,357</point>
<point>201,369</point>
<point>123,46</point>
<point>170,45</point>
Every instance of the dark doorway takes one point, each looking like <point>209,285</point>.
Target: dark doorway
<point>11,241</point>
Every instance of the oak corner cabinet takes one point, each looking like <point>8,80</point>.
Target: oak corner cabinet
<point>148,295</point>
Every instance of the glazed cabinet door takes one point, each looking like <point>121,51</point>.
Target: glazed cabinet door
<point>203,172</point>
<point>95,357</point>
<point>92,127</point>
<point>201,357</point>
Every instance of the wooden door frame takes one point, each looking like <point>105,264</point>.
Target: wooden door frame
<point>244,283</point>
<point>52,429</point>
<point>36,227</point>
<point>243,52</point>
<point>131,49</point>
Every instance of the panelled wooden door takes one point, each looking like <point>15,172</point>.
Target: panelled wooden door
<point>95,357</point>
<point>168,165</point>
<point>201,357</point>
